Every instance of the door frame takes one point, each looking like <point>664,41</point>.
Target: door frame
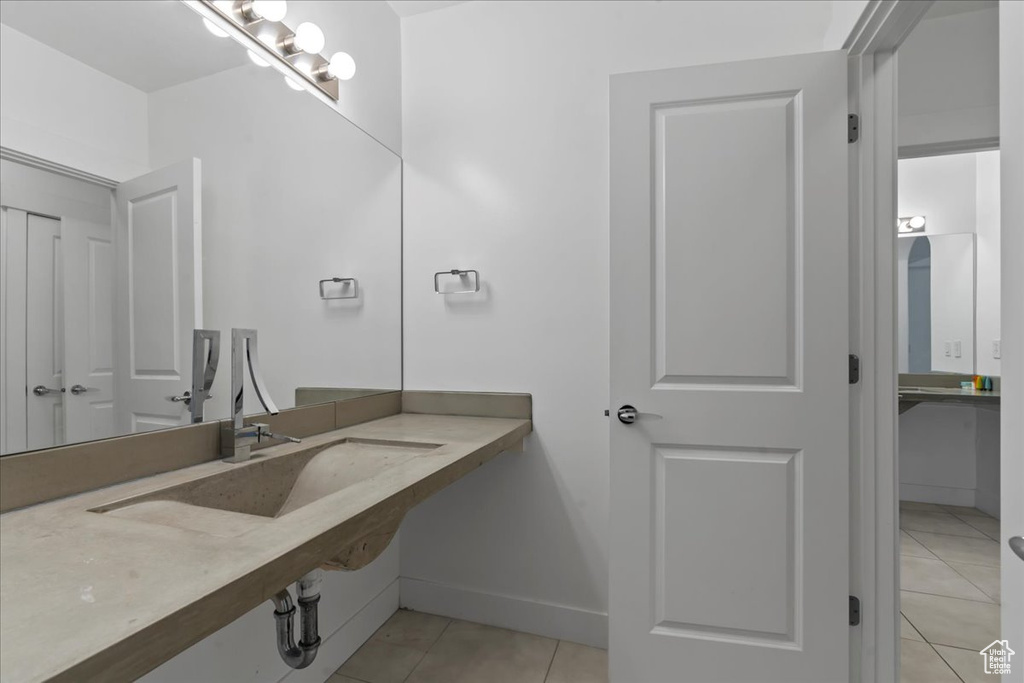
<point>874,532</point>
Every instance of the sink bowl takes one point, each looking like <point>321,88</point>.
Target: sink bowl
<point>272,487</point>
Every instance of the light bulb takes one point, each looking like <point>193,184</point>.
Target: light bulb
<point>917,222</point>
<point>292,83</point>
<point>342,66</point>
<point>257,60</point>
<point>214,29</point>
<point>271,10</point>
<point>309,37</point>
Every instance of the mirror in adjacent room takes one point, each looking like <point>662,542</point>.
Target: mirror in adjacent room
<point>156,179</point>
<point>948,264</point>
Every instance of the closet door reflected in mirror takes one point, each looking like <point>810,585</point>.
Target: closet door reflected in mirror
<point>171,182</point>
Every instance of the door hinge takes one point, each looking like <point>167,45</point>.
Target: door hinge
<point>854,611</point>
<point>852,128</point>
<point>854,369</point>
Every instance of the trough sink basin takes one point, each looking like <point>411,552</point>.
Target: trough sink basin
<point>270,487</point>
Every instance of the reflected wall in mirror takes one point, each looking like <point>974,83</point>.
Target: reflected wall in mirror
<point>165,182</point>
<point>948,274</point>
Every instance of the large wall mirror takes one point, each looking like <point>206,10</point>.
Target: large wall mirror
<point>155,179</point>
<point>948,264</point>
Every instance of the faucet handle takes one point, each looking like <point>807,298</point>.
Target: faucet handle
<point>262,430</point>
<point>283,437</point>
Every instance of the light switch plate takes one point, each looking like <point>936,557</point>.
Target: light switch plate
<point>957,348</point>
<point>948,348</point>
<point>996,351</point>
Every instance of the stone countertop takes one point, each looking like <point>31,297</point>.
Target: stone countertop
<point>912,396</point>
<point>87,596</point>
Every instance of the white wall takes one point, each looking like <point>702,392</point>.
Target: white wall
<point>941,188</point>
<point>292,193</point>
<point>987,243</point>
<point>949,80</point>
<point>59,109</point>
<point>505,138</point>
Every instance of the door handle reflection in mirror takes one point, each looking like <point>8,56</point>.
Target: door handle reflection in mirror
<point>628,415</point>
<point>1017,544</point>
<point>185,398</point>
<point>40,390</point>
<point>78,389</point>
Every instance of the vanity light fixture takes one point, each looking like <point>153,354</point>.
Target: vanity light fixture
<point>341,66</point>
<point>910,224</point>
<point>298,49</point>
<point>308,37</point>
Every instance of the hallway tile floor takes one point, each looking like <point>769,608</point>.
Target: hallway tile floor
<point>414,647</point>
<point>949,592</point>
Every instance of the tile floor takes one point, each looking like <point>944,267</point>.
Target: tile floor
<point>949,588</point>
<point>949,574</point>
<point>415,647</point>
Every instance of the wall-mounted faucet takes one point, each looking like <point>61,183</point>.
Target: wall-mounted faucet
<point>237,438</point>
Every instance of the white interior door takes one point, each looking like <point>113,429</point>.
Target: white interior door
<point>44,333</point>
<point>729,315</point>
<point>89,329</point>
<point>158,295</point>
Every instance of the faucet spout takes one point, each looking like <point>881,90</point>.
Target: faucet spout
<point>237,438</point>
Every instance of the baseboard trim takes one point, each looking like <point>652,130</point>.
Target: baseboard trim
<point>938,495</point>
<point>987,502</point>
<point>529,616</point>
<point>340,645</point>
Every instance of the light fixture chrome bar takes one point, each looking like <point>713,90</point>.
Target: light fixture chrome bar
<point>311,68</point>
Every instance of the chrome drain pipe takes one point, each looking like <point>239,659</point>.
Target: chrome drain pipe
<point>308,589</point>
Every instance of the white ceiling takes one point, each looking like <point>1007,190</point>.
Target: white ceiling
<point>407,8</point>
<point>148,44</point>
<point>945,8</point>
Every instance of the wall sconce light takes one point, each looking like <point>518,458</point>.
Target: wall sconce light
<point>910,224</point>
<point>298,49</point>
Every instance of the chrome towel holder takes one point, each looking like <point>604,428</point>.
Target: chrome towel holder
<point>345,282</point>
<point>462,275</point>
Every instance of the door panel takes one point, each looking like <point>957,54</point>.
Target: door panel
<point>45,332</point>
<point>702,338</point>
<point>158,294</point>
<point>89,298</point>
<point>729,314</point>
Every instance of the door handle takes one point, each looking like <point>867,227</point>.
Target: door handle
<point>628,415</point>
<point>1017,545</point>
<point>78,389</point>
<point>40,390</point>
